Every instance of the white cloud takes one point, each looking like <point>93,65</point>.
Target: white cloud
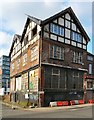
<point>13,15</point>
<point>83,11</point>
<point>5,43</point>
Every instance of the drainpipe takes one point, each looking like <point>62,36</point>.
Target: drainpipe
<point>28,88</point>
<point>84,87</point>
<point>40,54</point>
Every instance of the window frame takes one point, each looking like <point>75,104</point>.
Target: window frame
<point>56,29</point>
<point>57,52</point>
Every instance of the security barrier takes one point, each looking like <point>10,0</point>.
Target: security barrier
<point>81,101</point>
<point>91,101</point>
<point>72,102</point>
<point>76,102</point>
<point>66,103</point>
<point>62,103</point>
<point>53,104</point>
<point>59,103</point>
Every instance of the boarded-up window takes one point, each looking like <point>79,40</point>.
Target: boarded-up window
<point>55,79</point>
<point>24,84</point>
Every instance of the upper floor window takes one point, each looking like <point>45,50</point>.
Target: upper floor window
<point>12,66</point>
<point>76,37</point>
<point>34,31</point>
<point>24,59</point>
<point>90,69</point>
<point>77,57</point>
<point>18,63</point>
<point>6,67</point>
<point>90,58</point>
<point>26,40</point>
<point>56,52</point>
<point>57,29</point>
<point>34,53</point>
<point>6,63</point>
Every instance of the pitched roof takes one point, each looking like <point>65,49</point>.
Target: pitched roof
<point>16,36</point>
<point>30,18</point>
<point>40,22</point>
<point>43,22</point>
<point>74,17</point>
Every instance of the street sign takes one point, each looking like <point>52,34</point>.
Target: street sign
<point>26,96</point>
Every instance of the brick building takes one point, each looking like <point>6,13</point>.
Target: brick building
<point>49,60</point>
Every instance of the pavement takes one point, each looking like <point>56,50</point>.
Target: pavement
<point>13,106</point>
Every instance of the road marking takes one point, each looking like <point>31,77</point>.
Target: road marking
<point>73,109</point>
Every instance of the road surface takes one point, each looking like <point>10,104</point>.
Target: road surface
<point>60,112</point>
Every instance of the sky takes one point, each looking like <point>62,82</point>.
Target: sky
<point>13,17</point>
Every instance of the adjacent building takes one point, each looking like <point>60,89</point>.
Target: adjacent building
<point>90,76</point>
<point>49,61</point>
<point>4,74</point>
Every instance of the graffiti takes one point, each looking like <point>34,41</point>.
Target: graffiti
<point>33,97</point>
<point>31,85</point>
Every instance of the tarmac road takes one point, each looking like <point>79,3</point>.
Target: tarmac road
<point>60,112</point>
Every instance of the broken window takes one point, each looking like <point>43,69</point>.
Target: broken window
<point>34,31</point>
<point>26,40</point>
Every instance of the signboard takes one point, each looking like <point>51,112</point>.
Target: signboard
<point>26,96</point>
<point>2,90</point>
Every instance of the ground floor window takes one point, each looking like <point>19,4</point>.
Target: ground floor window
<point>61,78</point>
<point>24,82</point>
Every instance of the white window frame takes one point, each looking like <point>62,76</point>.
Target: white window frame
<point>18,63</point>
<point>77,57</point>
<point>56,29</point>
<point>57,52</point>
<point>90,69</point>
<point>24,59</point>
<point>34,53</point>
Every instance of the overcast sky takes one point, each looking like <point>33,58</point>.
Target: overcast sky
<point>13,18</point>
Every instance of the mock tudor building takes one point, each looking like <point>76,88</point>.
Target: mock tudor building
<point>50,59</point>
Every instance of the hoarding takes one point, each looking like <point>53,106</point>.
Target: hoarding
<point>24,84</point>
<point>33,83</point>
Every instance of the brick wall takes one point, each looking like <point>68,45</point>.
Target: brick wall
<point>67,55</point>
